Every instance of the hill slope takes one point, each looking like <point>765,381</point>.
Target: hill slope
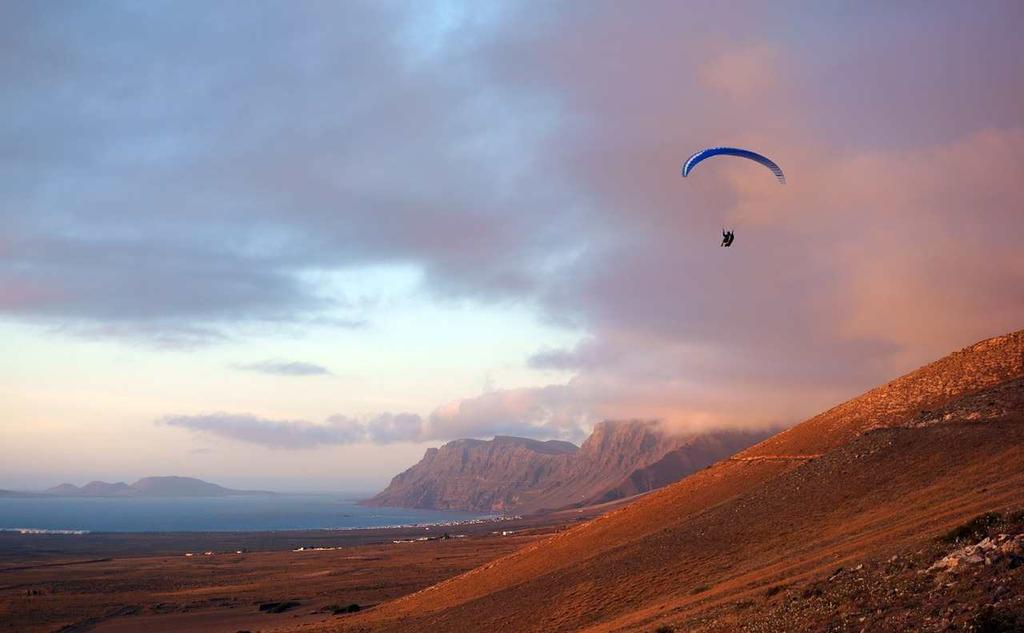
<point>619,459</point>
<point>879,475</point>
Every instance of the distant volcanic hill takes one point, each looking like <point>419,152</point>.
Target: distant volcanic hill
<point>869,516</point>
<point>14,493</point>
<point>150,487</point>
<point>514,474</point>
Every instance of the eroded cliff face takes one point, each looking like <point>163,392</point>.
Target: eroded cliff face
<point>476,475</point>
<point>692,454</point>
<point>509,474</point>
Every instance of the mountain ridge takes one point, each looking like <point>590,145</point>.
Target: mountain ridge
<point>510,474</point>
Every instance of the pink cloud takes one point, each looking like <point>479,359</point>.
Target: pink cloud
<point>742,73</point>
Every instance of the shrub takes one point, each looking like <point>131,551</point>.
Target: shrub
<point>813,591</point>
<point>991,620</point>
<point>975,529</point>
<point>278,607</point>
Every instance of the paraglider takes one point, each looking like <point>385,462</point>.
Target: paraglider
<point>704,154</point>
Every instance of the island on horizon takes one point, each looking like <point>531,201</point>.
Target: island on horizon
<point>165,486</point>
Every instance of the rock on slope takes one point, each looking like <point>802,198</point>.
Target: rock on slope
<point>519,475</point>
<point>880,475</point>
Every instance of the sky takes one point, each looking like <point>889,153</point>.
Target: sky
<point>292,245</point>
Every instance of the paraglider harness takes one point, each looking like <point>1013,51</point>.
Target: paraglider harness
<point>727,238</point>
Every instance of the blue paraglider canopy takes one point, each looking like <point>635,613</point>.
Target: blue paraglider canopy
<point>704,154</point>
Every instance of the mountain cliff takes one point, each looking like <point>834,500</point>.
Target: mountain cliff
<point>476,475</point>
<point>509,474</point>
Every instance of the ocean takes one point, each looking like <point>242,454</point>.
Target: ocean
<point>207,514</point>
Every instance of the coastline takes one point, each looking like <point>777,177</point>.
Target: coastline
<point>18,546</point>
<point>397,526</point>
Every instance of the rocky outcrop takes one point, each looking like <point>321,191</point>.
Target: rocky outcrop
<point>913,396</point>
<point>509,474</point>
<point>1002,402</point>
<point>987,551</point>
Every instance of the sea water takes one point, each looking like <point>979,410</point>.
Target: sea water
<point>208,514</point>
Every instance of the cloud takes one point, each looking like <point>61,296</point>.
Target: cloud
<point>387,428</point>
<point>285,368</point>
<point>542,413</point>
<point>194,191</point>
<point>888,247</point>
<point>277,434</point>
<point>336,430</point>
<point>587,354</point>
<point>743,72</point>
<point>528,154</point>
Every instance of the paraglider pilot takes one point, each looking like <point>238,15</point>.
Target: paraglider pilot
<point>704,154</point>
